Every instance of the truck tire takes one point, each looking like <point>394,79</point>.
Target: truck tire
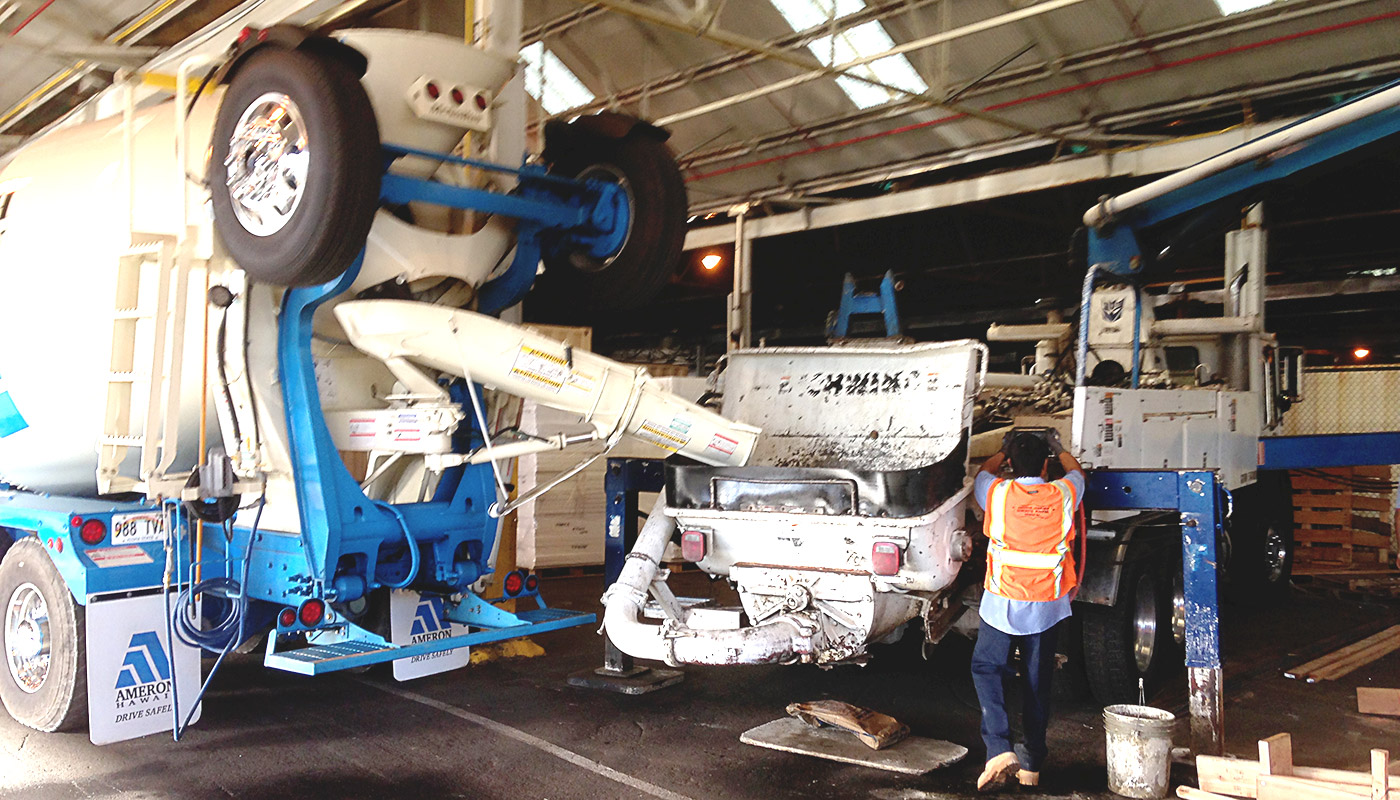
<point>295,167</point>
<point>646,170</point>
<point>1129,640</point>
<point>1261,534</point>
<point>45,691</point>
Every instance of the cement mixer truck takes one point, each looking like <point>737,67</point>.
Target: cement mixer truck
<point>210,300</point>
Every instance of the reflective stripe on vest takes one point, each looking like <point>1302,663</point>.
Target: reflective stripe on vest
<point>1030,543</point>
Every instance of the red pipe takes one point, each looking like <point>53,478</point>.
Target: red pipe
<point>1052,93</point>
<point>31,17</point>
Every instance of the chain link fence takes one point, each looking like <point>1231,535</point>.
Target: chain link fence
<point>1342,516</point>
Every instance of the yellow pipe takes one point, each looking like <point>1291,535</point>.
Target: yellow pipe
<point>128,30</point>
<point>159,80</point>
<point>65,74</point>
<point>54,81</point>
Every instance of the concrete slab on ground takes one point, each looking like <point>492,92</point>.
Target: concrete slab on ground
<point>912,755</point>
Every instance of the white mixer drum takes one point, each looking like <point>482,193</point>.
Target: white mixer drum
<point>63,231</point>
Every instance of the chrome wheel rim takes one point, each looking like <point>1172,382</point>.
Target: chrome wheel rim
<point>606,172</point>
<point>1275,554</point>
<point>1145,625</point>
<point>267,164</point>
<point>1179,611</point>
<point>27,640</point>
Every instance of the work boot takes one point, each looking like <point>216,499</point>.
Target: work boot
<point>998,771</point>
<point>1028,778</point>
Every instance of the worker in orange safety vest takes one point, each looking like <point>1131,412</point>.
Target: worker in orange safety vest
<point>1030,584</point>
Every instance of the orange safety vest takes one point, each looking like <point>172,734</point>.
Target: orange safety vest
<point>1030,528</point>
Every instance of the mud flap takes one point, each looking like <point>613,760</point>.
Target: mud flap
<point>415,618</point>
<point>135,675</point>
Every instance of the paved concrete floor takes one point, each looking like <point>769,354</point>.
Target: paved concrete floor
<point>515,729</point>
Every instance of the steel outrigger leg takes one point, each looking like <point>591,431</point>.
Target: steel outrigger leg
<point>626,478</point>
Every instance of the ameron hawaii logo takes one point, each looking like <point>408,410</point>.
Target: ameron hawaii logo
<point>145,671</point>
<point>428,625</point>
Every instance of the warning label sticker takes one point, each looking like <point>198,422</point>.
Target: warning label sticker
<point>541,368</point>
<point>362,428</point>
<point>581,381</point>
<point>662,437</point>
<point>125,556</point>
<point>723,444</point>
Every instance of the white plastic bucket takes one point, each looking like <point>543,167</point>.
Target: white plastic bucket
<point>1139,750</point>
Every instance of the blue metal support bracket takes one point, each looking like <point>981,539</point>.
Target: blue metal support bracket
<point>1329,450</point>
<point>853,302</point>
<point>1196,495</point>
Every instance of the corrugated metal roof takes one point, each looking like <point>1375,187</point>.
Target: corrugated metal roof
<point>1093,73</point>
<point>1087,65</point>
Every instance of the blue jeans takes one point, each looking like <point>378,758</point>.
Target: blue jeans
<point>991,668</point>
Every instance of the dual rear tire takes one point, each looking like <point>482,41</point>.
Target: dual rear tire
<point>43,682</point>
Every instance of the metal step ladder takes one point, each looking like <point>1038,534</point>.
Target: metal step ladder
<point>143,381</point>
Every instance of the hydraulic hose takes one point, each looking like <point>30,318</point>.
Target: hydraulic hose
<point>413,556</point>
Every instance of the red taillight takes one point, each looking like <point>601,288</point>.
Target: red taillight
<point>480,101</point>
<point>457,96</point>
<point>532,582</point>
<point>311,612</point>
<point>433,90</point>
<point>693,545</point>
<point>885,558</point>
<point>287,618</point>
<point>76,522</point>
<point>514,584</point>
<point>244,34</point>
<point>93,531</point>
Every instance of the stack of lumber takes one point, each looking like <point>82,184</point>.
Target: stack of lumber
<point>1274,777</point>
<point>1341,518</point>
<point>1348,659</point>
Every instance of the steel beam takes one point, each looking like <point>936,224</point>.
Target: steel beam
<point>1329,450</point>
<point>1144,161</point>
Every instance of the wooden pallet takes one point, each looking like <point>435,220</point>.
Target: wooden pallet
<point>1338,523</point>
<point>1275,777</point>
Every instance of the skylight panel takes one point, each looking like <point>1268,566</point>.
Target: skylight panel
<point>1228,7</point>
<point>552,83</point>
<point>863,40</point>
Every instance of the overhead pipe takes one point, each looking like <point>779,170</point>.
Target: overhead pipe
<point>31,17</point>
<point>803,61</point>
<point>1195,33</point>
<point>917,44</point>
<point>1048,94</point>
<point>787,638</point>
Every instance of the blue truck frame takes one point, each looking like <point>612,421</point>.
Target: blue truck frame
<point>446,540</point>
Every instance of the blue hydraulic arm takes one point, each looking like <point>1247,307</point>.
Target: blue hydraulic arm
<point>1114,222</point>
<point>349,544</point>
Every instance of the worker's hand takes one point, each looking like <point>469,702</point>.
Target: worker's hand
<point>1052,438</point>
<point>1006,440</point>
